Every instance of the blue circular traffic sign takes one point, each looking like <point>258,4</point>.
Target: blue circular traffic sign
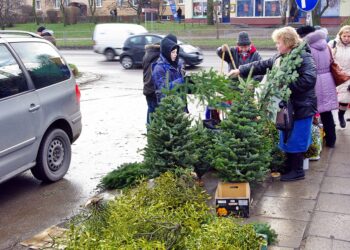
<point>306,5</point>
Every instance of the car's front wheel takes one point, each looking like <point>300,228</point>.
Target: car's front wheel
<point>54,156</point>
<point>127,62</point>
<point>109,54</point>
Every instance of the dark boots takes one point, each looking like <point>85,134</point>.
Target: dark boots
<point>329,128</point>
<point>296,165</point>
<point>342,121</point>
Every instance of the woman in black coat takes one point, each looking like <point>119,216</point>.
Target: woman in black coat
<point>302,98</point>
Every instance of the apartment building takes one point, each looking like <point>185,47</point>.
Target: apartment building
<point>103,7</point>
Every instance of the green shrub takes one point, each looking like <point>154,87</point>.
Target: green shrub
<point>127,175</point>
<point>172,213</point>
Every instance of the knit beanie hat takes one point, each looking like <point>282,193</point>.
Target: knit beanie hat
<point>305,30</point>
<point>243,39</point>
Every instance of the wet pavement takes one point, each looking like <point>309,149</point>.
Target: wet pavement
<point>312,213</point>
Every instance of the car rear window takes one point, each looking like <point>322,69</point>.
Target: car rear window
<point>44,64</point>
<point>12,80</point>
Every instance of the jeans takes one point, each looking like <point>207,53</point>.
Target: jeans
<point>152,103</point>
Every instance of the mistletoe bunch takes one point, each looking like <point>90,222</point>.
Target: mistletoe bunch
<point>278,80</point>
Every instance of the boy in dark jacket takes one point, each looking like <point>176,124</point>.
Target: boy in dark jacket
<point>167,71</point>
<point>151,56</point>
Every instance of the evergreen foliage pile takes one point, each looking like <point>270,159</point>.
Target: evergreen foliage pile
<point>170,214</point>
<point>127,175</point>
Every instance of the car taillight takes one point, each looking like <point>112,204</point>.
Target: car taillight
<point>77,93</point>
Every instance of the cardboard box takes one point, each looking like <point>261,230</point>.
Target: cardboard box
<point>232,199</point>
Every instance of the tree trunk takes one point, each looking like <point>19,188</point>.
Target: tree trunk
<point>63,14</point>
<point>34,13</point>
<point>210,11</point>
<point>317,13</point>
<point>284,7</point>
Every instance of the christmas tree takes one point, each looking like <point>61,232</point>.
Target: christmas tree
<point>241,151</point>
<point>169,137</point>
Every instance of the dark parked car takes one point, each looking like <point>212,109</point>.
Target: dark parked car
<point>134,50</point>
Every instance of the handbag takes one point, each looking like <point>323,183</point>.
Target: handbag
<point>284,119</point>
<point>339,75</point>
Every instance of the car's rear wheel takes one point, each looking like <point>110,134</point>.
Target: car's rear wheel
<point>54,156</point>
<point>127,62</point>
<point>109,54</point>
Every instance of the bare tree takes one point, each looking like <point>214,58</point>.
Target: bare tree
<point>62,9</point>
<point>34,13</point>
<point>8,10</point>
<point>138,5</point>
<point>318,11</point>
<point>92,8</point>
<point>210,12</point>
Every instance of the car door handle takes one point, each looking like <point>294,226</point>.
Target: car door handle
<point>33,107</point>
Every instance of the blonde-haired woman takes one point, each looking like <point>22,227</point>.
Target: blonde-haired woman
<point>302,98</point>
<point>341,53</point>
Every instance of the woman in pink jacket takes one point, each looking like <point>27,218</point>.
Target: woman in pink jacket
<point>325,86</point>
<point>341,53</point>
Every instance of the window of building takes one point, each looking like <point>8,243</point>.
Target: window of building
<point>256,8</point>
<point>38,4</point>
<point>57,4</point>
<point>199,9</point>
<point>180,1</point>
<point>272,8</point>
<point>44,64</point>
<point>12,80</point>
<point>245,7</point>
<point>98,3</point>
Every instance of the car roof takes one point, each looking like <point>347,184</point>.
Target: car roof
<point>18,36</point>
<point>147,34</point>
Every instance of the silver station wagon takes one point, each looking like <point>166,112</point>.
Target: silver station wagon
<point>40,108</point>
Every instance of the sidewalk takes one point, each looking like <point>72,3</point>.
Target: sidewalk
<point>313,213</point>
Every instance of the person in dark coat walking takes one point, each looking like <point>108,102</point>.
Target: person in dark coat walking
<point>46,34</point>
<point>302,98</point>
<point>179,14</point>
<point>325,88</point>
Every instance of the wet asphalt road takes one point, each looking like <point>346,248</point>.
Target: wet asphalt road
<point>114,114</point>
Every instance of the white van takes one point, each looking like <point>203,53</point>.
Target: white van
<point>109,37</point>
